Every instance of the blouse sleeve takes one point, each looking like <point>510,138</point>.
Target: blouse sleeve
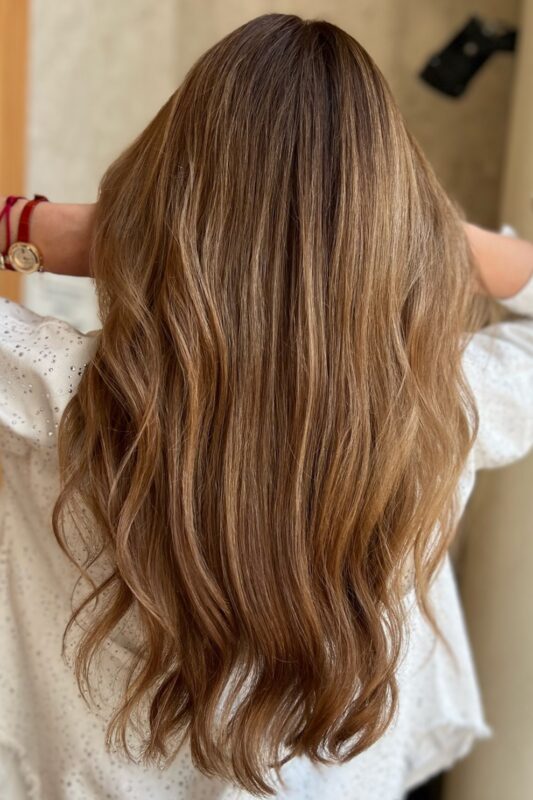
<point>41,361</point>
<point>498,363</point>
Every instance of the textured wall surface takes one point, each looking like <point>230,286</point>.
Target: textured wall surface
<point>496,563</point>
<point>495,569</point>
<point>99,71</point>
<point>517,198</point>
<point>463,137</point>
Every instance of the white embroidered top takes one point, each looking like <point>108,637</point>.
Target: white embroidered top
<point>52,744</point>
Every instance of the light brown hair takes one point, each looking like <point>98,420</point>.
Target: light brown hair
<point>275,419</point>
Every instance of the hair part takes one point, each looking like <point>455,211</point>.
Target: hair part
<point>272,428</point>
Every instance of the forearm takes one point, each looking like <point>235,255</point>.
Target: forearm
<point>61,232</point>
<point>505,262</point>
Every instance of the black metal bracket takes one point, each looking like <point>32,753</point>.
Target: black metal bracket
<point>452,68</point>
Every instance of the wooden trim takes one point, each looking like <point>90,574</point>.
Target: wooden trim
<point>14,49</point>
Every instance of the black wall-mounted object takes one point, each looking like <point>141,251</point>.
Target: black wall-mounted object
<point>451,70</point>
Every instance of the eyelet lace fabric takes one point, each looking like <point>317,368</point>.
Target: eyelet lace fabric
<point>52,744</point>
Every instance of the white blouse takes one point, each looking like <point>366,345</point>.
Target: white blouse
<point>52,744</point>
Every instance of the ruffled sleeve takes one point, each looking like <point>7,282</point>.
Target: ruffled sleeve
<point>41,361</point>
<point>498,363</point>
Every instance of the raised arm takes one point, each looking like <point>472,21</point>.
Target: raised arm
<point>61,231</point>
<point>505,262</point>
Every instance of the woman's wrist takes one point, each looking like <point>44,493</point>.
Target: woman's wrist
<point>60,231</point>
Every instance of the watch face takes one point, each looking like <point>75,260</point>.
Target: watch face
<point>24,257</point>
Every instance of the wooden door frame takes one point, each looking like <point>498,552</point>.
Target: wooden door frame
<point>14,52</point>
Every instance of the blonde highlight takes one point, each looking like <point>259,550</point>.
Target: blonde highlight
<point>275,419</point>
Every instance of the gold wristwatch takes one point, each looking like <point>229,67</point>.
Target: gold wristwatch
<point>22,256</point>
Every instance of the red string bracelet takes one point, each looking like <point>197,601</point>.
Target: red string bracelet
<point>10,202</point>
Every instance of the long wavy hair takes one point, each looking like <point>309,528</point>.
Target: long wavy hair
<point>272,429</point>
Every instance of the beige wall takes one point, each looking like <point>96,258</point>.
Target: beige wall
<point>100,70</point>
<point>464,137</point>
<point>495,572</point>
<point>517,199</point>
<point>496,564</point>
<point>98,73</point>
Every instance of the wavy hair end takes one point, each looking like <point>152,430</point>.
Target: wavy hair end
<point>271,431</point>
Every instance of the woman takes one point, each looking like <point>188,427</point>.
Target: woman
<point>240,492</point>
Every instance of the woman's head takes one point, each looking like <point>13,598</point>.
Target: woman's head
<point>275,419</point>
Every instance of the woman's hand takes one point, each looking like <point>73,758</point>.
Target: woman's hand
<point>505,262</point>
<point>61,232</point>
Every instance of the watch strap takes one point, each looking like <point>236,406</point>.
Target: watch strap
<point>10,202</point>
